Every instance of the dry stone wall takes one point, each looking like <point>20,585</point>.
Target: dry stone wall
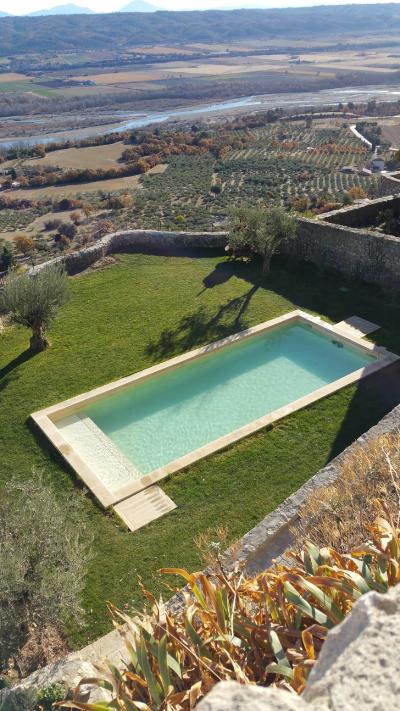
<point>388,185</point>
<point>355,253</point>
<point>360,254</point>
<point>143,241</point>
<point>364,215</point>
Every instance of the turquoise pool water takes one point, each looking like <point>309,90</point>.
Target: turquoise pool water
<point>167,416</point>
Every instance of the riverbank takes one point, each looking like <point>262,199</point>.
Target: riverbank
<point>304,100</point>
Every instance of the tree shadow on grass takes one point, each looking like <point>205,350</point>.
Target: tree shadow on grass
<point>220,275</point>
<point>374,397</point>
<point>200,327</point>
<point>5,373</point>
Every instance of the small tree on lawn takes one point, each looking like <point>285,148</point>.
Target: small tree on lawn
<point>33,301</point>
<point>45,549</point>
<point>261,230</point>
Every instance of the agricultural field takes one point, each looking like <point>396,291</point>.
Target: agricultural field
<point>32,224</point>
<point>131,182</point>
<point>284,162</point>
<point>310,63</point>
<point>288,162</point>
<point>16,220</point>
<point>11,82</point>
<point>91,157</point>
<point>391,132</point>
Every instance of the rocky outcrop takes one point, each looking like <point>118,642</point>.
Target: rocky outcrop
<point>231,696</point>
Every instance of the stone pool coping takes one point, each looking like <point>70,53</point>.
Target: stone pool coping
<point>47,418</point>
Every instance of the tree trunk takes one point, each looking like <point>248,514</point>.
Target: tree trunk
<point>38,340</point>
<point>266,265</point>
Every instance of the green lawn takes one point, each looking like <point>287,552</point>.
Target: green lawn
<point>13,86</point>
<point>145,309</point>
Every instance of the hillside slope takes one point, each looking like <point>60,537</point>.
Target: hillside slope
<point>37,34</point>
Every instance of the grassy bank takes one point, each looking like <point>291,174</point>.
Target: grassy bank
<point>146,309</point>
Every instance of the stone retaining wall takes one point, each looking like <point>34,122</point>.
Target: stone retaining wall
<point>364,215</point>
<point>388,185</point>
<point>143,241</point>
<point>361,254</point>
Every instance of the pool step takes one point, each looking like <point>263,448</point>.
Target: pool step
<point>98,451</point>
<point>142,508</point>
<point>357,326</point>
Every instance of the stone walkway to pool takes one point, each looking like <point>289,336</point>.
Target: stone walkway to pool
<point>357,327</point>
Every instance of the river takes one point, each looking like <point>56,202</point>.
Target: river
<point>324,97</point>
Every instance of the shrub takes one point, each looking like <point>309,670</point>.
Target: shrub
<point>24,244</point>
<point>119,202</point>
<point>61,241</point>
<point>52,224</point>
<point>266,629</point>
<point>49,695</point>
<point>69,204</point>
<point>76,218</point>
<point>7,258</point>
<point>44,552</point>
<point>339,515</point>
<point>347,199</point>
<point>103,228</point>
<point>357,193</point>
<point>68,229</point>
<point>216,188</point>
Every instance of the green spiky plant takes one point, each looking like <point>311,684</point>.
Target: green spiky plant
<point>267,629</point>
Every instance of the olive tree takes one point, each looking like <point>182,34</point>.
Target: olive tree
<point>260,230</point>
<point>34,301</point>
<point>45,549</point>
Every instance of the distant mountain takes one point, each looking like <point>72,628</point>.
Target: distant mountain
<point>62,10</point>
<point>139,6</point>
<point>127,30</point>
<point>4,14</point>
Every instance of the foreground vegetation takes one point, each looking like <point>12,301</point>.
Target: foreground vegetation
<point>44,553</point>
<point>266,629</point>
<point>140,311</point>
<point>269,629</point>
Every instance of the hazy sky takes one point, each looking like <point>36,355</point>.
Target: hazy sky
<point>20,7</point>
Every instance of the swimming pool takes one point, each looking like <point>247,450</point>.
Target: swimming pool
<point>126,435</point>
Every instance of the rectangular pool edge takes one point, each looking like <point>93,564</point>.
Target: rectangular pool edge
<point>47,418</point>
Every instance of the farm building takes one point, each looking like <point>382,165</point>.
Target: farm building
<point>377,165</point>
